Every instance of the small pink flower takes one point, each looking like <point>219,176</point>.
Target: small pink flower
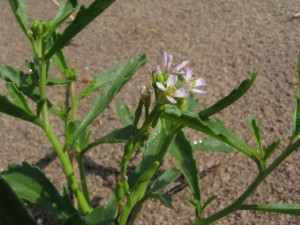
<point>192,83</point>
<point>168,58</point>
<point>171,91</point>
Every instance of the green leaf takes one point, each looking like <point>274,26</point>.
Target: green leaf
<point>60,61</point>
<point>117,136</point>
<point>12,211</point>
<point>19,9</point>
<point>118,76</point>
<point>192,103</point>
<point>99,216</point>
<point>296,114</point>
<point>165,199</point>
<point>82,19</point>
<point>292,209</point>
<point>124,113</point>
<point>11,109</point>
<point>18,97</point>
<point>65,9</point>
<point>229,99</point>
<point>254,128</point>
<point>9,74</point>
<point>182,152</point>
<point>32,186</point>
<point>214,128</point>
<point>51,81</point>
<point>28,84</point>
<point>208,201</point>
<point>156,147</point>
<point>163,180</point>
<point>271,148</point>
<point>211,145</point>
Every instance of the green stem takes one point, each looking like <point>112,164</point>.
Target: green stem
<point>63,157</point>
<point>139,189</point>
<point>43,91</point>
<point>79,156</point>
<point>73,101</point>
<point>84,186</point>
<point>68,170</point>
<point>238,202</point>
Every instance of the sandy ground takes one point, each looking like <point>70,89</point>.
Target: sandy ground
<point>225,42</point>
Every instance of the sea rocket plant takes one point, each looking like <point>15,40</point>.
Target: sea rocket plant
<point>156,135</point>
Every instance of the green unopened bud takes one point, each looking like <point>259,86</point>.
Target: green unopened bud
<point>71,74</point>
<point>120,191</point>
<point>146,96</point>
<point>182,104</point>
<point>160,77</point>
<point>148,174</point>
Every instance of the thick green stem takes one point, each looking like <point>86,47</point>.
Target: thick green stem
<point>129,150</point>
<point>63,157</point>
<point>84,186</point>
<point>43,91</point>
<point>259,179</point>
<point>73,101</point>
<point>68,170</point>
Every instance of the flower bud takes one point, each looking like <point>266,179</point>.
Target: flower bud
<point>145,96</point>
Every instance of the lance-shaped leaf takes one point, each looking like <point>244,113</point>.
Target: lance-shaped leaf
<point>271,148</point>
<point>28,84</point>
<point>156,147</point>
<point>163,180</point>
<point>82,19</point>
<point>19,9</point>
<point>9,74</point>
<point>117,136</point>
<point>99,216</point>
<point>255,131</point>
<point>18,97</point>
<point>214,128</point>
<point>11,109</point>
<point>124,113</point>
<point>51,81</point>
<point>296,115</point>
<point>292,209</point>
<point>65,9</point>
<point>182,152</point>
<point>60,61</point>
<point>12,210</point>
<point>229,99</point>
<point>211,145</point>
<point>32,186</point>
<point>118,76</point>
<point>165,199</point>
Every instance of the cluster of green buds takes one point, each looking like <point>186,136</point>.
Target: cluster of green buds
<point>175,85</point>
<point>40,32</point>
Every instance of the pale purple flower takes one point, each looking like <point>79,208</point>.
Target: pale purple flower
<point>193,83</point>
<point>172,91</point>
<point>168,58</point>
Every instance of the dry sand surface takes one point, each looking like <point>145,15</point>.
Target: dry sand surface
<point>225,42</point>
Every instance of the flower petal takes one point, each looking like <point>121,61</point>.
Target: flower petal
<point>172,80</point>
<point>180,66</point>
<point>165,60</point>
<point>188,75</point>
<point>170,59</point>
<point>172,100</point>
<point>181,93</point>
<point>200,82</point>
<point>160,86</point>
<point>201,92</point>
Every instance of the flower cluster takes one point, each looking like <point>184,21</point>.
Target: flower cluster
<point>177,83</point>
